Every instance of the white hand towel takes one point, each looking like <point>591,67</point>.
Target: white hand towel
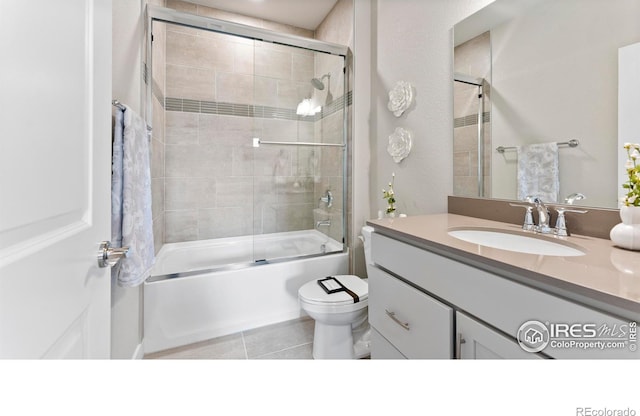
<point>538,171</point>
<point>131,220</point>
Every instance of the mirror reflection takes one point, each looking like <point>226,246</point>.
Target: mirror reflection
<point>536,99</point>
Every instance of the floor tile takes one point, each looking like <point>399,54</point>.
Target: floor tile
<point>286,340</point>
<point>278,337</point>
<point>227,347</point>
<point>301,352</point>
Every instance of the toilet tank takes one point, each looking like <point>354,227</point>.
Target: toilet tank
<point>367,231</point>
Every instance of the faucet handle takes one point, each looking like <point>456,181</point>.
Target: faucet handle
<point>561,229</point>
<point>328,199</point>
<point>528,224</point>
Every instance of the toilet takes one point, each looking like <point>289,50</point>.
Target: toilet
<point>341,321</point>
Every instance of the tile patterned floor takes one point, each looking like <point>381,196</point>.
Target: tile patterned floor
<point>285,340</point>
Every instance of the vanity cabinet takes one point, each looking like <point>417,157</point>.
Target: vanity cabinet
<point>433,294</point>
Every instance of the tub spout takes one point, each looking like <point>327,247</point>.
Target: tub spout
<point>323,223</point>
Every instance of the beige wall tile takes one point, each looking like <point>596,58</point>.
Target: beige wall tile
<point>181,160</point>
<point>266,91</point>
<point>182,193</point>
<point>234,88</point>
<point>191,83</point>
<point>181,128</point>
<point>243,58</point>
<point>225,222</point>
<point>157,198</point>
<point>158,233</point>
<point>181,226</point>
<point>271,63</point>
<point>157,159</point>
<point>303,67</point>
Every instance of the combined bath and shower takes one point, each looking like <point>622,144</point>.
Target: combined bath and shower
<point>318,84</point>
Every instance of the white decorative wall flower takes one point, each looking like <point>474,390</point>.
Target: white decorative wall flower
<point>399,144</point>
<point>400,98</point>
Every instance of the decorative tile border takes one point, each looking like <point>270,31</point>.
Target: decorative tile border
<point>471,120</point>
<point>248,110</point>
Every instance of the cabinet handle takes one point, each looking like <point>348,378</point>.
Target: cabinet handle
<point>459,342</point>
<point>392,315</point>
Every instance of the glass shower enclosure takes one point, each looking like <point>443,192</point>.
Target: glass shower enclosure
<point>249,139</point>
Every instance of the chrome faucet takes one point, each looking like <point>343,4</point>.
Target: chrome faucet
<point>543,216</point>
<point>328,199</point>
<point>576,196</point>
<point>323,223</point>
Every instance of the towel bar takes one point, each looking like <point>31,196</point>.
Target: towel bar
<point>570,143</point>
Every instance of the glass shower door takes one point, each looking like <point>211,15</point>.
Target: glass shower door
<point>298,153</point>
<point>212,95</point>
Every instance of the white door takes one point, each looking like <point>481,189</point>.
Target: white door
<point>55,141</point>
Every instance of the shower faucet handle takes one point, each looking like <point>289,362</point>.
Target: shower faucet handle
<point>328,199</point>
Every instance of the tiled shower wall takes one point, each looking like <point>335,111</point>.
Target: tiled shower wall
<point>471,58</point>
<point>220,92</point>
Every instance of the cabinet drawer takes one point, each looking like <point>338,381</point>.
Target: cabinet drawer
<point>381,349</point>
<point>415,323</point>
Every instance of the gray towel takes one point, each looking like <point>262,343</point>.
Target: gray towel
<point>131,222</point>
<point>538,171</point>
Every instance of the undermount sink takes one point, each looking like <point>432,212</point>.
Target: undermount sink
<point>516,241</point>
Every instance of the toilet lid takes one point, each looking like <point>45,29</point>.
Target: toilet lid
<point>312,292</point>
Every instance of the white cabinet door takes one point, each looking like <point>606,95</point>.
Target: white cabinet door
<point>478,341</point>
<point>55,150</point>
<point>416,324</point>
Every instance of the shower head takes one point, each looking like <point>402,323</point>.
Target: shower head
<point>318,84</point>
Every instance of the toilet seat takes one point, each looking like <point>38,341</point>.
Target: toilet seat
<point>312,294</point>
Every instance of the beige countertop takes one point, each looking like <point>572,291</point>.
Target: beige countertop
<point>606,277</point>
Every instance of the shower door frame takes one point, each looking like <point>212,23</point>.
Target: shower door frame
<point>480,83</point>
<point>171,16</point>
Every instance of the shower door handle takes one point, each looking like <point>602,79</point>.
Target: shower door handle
<point>108,256</point>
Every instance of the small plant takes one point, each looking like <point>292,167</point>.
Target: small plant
<point>632,186</point>
<point>389,195</point>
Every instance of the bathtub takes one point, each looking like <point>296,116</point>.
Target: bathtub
<point>200,290</point>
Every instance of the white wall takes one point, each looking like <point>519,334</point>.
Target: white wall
<point>412,41</point>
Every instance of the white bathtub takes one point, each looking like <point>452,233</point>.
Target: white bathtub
<point>206,289</point>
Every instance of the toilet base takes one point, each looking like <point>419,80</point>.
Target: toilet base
<point>337,341</point>
<point>332,342</point>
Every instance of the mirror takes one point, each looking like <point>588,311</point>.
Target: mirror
<point>546,71</point>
